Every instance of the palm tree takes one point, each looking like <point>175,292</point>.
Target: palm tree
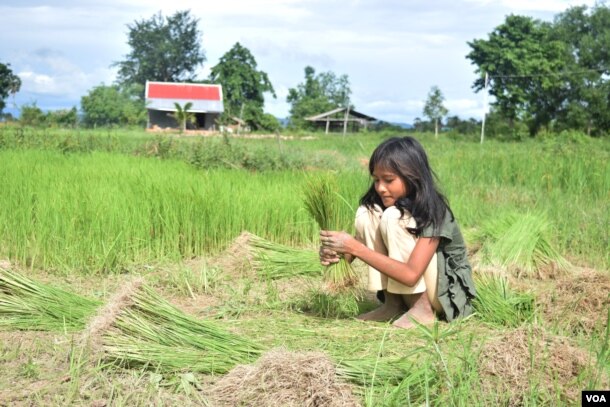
<point>182,115</point>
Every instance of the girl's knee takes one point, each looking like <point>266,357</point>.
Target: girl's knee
<point>390,217</point>
<point>394,222</point>
<point>366,219</point>
<point>390,214</point>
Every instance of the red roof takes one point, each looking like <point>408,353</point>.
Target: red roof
<point>188,91</point>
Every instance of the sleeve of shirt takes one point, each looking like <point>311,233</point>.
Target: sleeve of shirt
<point>443,231</point>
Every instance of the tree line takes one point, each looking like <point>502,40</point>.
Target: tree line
<point>541,76</point>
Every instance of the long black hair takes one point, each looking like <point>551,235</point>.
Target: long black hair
<point>406,157</point>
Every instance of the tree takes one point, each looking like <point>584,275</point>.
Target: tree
<point>113,105</point>
<point>457,125</point>
<point>182,115</point>
<point>318,94</point>
<point>162,49</point>
<point>243,86</point>
<point>434,109</point>
<point>522,62</point>
<point>31,115</point>
<point>584,102</point>
<point>62,118</point>
<point>9,83</point>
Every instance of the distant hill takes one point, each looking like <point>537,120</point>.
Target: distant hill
<point>403,125</point>
<point>284,122</point>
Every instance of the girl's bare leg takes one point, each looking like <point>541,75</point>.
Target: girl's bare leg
<point>420,309</point>
<point>391,308</point>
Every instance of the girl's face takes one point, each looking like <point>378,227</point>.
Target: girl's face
<point>389,186</point>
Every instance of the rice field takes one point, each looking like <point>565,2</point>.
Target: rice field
<point>221,319</point>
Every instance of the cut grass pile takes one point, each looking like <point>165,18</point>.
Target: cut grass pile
<point>137,328</point>
<point>30,305</point>
<point>149,332</point>
<point>522,244</point>
<point>496,303</point>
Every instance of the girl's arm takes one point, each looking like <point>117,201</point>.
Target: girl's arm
<point>407,273</point>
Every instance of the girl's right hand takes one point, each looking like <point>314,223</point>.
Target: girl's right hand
<point>328,256</point>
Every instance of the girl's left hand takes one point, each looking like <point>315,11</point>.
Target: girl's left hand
<point>339,242</point>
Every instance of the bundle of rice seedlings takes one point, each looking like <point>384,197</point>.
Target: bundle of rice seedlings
<point>379,371</point>
<point>521,242</point>
<point>497,304</point>
<point>343,304</point>
<point>275,261</point>
<point>329,210</point>
<point>150,332</point>
<point>29,305</point>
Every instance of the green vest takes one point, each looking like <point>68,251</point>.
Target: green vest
<point>455,284</point>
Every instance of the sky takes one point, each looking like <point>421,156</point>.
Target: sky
<point>393,51</point>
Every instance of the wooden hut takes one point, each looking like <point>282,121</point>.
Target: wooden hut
<point>342,119</point>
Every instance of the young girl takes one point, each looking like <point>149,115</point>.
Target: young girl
<point>406,233</point>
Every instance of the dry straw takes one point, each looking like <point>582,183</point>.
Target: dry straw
<point>108,313</point>
<point>331,212</point>
<point>284,379</point>
<point>518,361</point>
<point>578,302</point>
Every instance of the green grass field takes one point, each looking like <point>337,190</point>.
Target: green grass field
<point>88,210</point>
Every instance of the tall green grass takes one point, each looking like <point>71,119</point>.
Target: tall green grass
<point>105,211</point>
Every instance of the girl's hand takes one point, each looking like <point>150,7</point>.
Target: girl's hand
<point>327,256</point>
<point>337,242</point>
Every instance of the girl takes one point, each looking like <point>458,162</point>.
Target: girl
<point>406,233</point>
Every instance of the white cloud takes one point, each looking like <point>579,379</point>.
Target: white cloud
<point>48,72</point>
<point>554,6</point>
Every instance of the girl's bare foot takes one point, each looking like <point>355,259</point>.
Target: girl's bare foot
<point>420,310</point>
<point>391,308</point>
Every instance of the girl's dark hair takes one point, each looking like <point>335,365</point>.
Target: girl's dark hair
<point>406,157</point>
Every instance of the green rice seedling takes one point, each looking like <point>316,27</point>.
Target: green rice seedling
<point>343,304</point>
<point>497,304</point>
<point>521,242</point>
<point>274,260</point>
<point>149,332</point>
<point>329,209</point>
<point>29,305</point>
<point>374,370</point>
<point>189,281</point>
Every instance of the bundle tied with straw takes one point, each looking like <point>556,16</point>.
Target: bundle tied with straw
<point>151,333</point>
<point>331,212</point>
<point>30,305</point>
<point>275,261</point>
